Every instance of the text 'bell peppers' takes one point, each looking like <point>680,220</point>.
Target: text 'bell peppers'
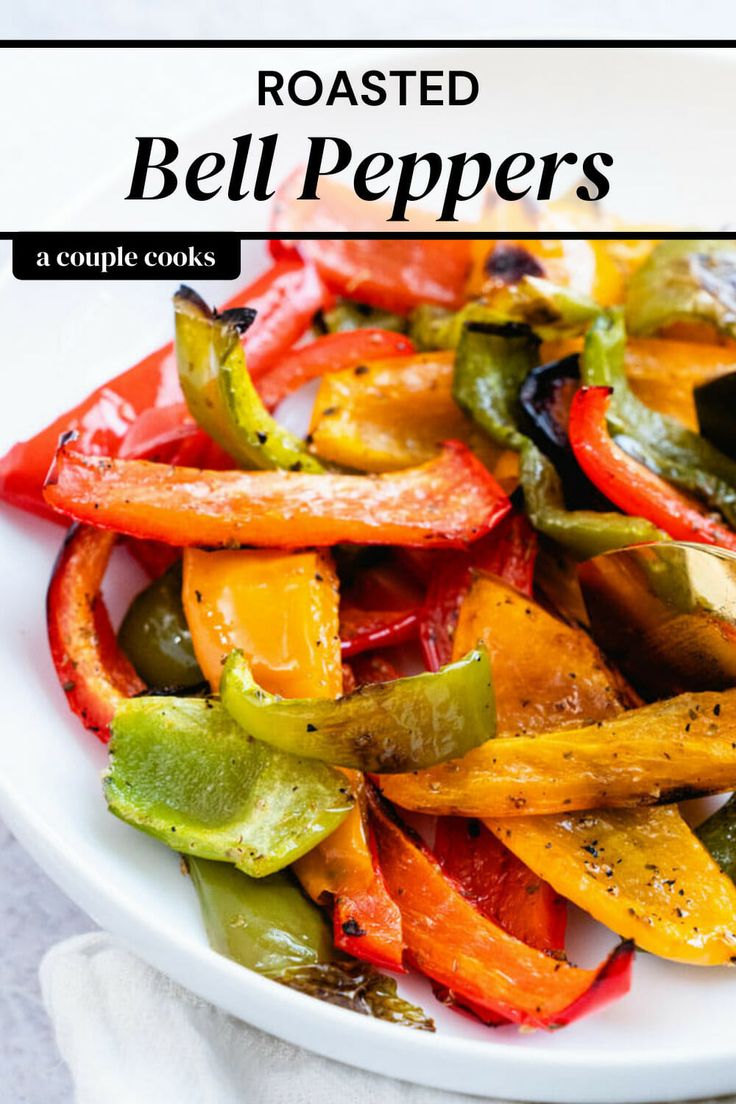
<point>457,946</point>
<point>268,925</point>
<point>267,808</point>
<point>509,551</point>
<point>396,726</point>
<point>449,501</point>
<point>285,299</point>
<point>333,352</point>
<point>629,484</point>
<point>655,755</point>
<point>220,393</point>
<point>93,672</point>
<point>642,872</point>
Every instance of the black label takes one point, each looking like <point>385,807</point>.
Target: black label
<point>126,256</point>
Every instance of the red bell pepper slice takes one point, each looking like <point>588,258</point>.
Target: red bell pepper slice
<point>92,671</point>
<point>286,298</point>
<point>499,884</point>
<point>362,630</point>
<point>366,669</point>
<point>509,551</point>
<point>394,274</point>
<point>630,485</point>
<point>330,353</point>
<point>453,943</point>
<point>447,502</point>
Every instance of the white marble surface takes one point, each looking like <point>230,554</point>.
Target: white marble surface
<point>34,914</point>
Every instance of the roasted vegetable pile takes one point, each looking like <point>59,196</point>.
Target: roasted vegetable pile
<point>403,685</point>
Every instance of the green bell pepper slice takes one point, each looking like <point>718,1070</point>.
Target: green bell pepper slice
<point>492,363</point>
<point>391,727</point>
<point>346,315</point>
<point>718,835</point>
<point>685,281</point>
<point>220,393</point>
<point>268,925</point>
<point>547,309</point>
<point>183,771</point>
<point>667,447</point>
<point>155,636</point>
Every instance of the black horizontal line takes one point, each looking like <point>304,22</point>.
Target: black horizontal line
<point>409,235</point>
<point>342,43</point>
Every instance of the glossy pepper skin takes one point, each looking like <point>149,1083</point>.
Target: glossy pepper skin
<point>92,671</point>
<point>547,674</point>
<point>155,636</point>
<point>641,872</point>
<point>266,809</point>
<point>460,948</point>
<point>295,651</point>
<point>220,393</point>
<point>449,502</point>
<point>491,365</point>
<point>509,552</point>
<point>653,755</point>
<point>631,485</point>
<point>669,448</point>
<point>402,725</point>
<point>688,281</point>
<point>333,352</point>
<point>285,299</point>
<point>268,925</point>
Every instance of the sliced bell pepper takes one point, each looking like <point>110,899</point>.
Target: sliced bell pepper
<point>491,365</point>
<point>374,667</point>
<point>333,352</point>
<point>285,298</point>
<point>344,869</point>
<point>181,770</point>
<point>449,502</point>
<point>268,925</point>
<point>390,414</point>
<point>718,836</point>
<point>654,755</point>
<point>684,281</point>
<point>499,884</point>
<point>362,630</point>
<point>453,943</point>
<point>667,447</point>
<point>394,274</point>
<point>346,315</point>
<point>396,726</point>
<point>295,650</point>
<point>156,638</point>
<point>93,673</point>
<point>220,393</point>
<point>546,674</point>
<point>641,872</point>
<point>631,485</point>
<point>509,551</point>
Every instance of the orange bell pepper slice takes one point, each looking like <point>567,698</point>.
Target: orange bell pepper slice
<point>448,502</point>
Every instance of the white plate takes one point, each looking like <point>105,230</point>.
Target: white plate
<point>673,1037</point>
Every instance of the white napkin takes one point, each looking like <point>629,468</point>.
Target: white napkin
<point>131,1036</point>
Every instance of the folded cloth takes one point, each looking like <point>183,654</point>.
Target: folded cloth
<point>131,1036</point>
